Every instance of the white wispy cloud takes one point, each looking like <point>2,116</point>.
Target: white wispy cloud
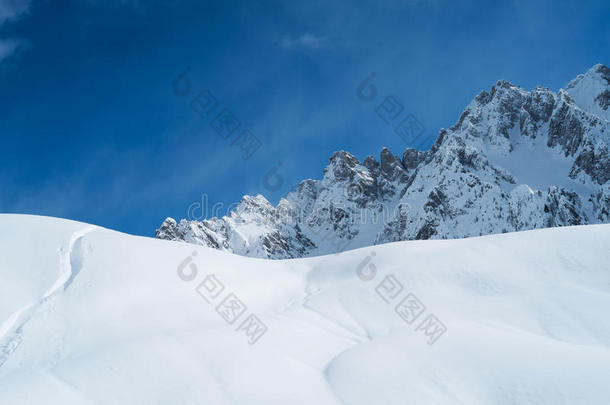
<point>306,40</point>
<point>7,47</point>
<point>10,11</point>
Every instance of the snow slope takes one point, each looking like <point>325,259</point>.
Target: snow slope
<point>90,315</point>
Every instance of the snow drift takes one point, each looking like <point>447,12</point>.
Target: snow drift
<point>90,315</point>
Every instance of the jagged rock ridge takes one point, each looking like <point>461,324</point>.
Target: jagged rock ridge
<point>515,160</point>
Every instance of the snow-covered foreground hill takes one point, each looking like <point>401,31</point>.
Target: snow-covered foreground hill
<point>90,315</point>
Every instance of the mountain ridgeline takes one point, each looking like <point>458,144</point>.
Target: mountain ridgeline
<point>515,160</point>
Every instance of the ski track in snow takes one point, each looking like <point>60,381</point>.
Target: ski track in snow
<point>11,329</point>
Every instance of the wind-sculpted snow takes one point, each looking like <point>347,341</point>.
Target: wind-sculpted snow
<point>518,318</point>
<point>12,328</point>
<point>515,160</point>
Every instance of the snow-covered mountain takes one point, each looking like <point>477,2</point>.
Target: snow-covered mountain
<point>515,160</point>
<point>93,316</point>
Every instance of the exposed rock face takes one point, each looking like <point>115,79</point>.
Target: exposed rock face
<point>515,160</point>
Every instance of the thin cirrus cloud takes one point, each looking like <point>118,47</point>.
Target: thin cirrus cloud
<point>11,10</point>
<point>304,41</point>
<point>7,47</point>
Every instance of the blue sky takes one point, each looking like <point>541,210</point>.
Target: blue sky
<point>92,128</point>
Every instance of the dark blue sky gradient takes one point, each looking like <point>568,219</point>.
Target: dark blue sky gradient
<point>91,129</point>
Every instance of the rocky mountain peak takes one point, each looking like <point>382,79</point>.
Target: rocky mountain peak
<point>516,159</point>
<point>341,166</point>
<point>253,205</point>
<point>604,71</point>
<point>591,91</point>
